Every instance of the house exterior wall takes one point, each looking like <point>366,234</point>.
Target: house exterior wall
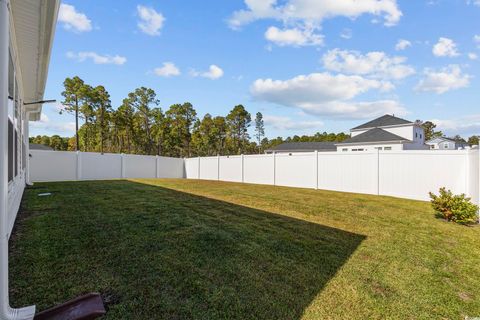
<point>370,147</point>
<point>444,144</point>
<point>16,124</point>
<point>410,132</point>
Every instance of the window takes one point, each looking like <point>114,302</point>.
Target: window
<point>10,150</point>
<point>378,148</point>
<point>345,149</point>
<point>387,148</point>
<point>15,124</point>
<point>11,94</point>
<point>416,134</point>
<point>420,136</point>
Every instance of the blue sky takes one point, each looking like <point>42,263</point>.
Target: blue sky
<point>307,65</point>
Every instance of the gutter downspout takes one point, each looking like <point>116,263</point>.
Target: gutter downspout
<point>6,312</point>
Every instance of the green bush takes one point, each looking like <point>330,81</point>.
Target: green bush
<point>456,208</point>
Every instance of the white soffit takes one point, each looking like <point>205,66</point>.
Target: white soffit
<point>34,23</point>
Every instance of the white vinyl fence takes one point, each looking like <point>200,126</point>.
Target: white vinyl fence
<point>68,166</point>
<point>404,174</point>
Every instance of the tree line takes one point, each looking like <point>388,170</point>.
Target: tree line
<point>140,126</point>
<point>431,132</point>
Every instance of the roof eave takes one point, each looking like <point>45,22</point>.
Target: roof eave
<point>372,143</point>
<point>390,126</point>
<point>36,77</point>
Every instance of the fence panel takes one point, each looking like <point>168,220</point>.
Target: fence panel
<point>53,166</point>
<point>139,166</point>
<point>96,166</point>
<point>258,169</point>
<point>348,171</point>
<point>296,170</point>
<point>413,174</point>
<point>209,168</point>
<point>231,168</point>
<point>191,168</point>
<point>170,167</point>
<point>473,173</point>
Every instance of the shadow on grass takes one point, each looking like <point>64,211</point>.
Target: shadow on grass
<point>157,253</point>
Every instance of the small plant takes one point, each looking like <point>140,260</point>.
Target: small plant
<point>456,208</point>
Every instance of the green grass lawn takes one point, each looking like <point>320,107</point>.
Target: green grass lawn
<point>188,249</point>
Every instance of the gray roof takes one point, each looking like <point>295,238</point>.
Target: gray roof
<point>374,135</point>
<point>305,146</point>
<point>460,141</point>
<point>36,146</point>
<point>383,121</point>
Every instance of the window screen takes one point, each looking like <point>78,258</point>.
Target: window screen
<point>15,154</point>
<point>10,150</point>
<point>11,86</point>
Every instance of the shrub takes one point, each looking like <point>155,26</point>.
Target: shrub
<point>456,208</point>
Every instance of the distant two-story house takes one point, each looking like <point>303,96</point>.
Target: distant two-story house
<point>385,133</point>
<point>443,143</point>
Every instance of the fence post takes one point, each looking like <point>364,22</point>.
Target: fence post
<point>274,169</point>
<point>478,183</point>
<point>198,173</point>
<point>122,166</point>
<point>378,172</point>
<point>79,166</point>
<point>218,167</point>
<point>243,169</point>
<point>316,169</point>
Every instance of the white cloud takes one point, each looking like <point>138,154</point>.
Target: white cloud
<point>469,125</point>
<point>293,37</point>
<point>472,56</point>
<point>474,2</point>
<point>168,70</point>
<point>476,39</point>
<point>402,44</point>
<point>377,64</point>
<point>96,58</point>
<point>314,11</point>
<point>73,20</point>
<point>443,80</point>
<point>327,95</point>
<point>346,33</point>
<point>151,21</point>
<point>445,48</point>
<point>285,123</point>
<point>45,125</point>
<point>214,72</point>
